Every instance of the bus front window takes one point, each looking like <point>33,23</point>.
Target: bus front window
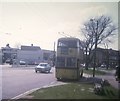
<point>70,44</point>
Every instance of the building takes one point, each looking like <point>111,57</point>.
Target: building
<point>30,54</point>
<point>8,53</point>
<point>34,54</point>
<point>108,57</point>
<point>0,57</point>
<point>48,56</point>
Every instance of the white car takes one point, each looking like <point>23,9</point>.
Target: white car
<point>22,62</point>
<point>43,67</point>
<point>103,66</point>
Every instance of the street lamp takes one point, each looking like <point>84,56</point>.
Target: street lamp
<point>107,55</point>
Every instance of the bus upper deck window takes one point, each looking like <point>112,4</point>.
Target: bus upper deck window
<point>70,44</point>
<point>61,44</point>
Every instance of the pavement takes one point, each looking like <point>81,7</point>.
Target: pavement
<point>109,77</point>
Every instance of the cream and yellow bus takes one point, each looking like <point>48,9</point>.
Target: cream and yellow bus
<point>69,55</point>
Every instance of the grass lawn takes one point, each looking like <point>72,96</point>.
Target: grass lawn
<point>97,72</point>
<point>73,91</point>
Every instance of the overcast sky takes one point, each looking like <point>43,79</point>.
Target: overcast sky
<point>39,23</point>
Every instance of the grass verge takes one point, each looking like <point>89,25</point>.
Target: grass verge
<point>74,91</point>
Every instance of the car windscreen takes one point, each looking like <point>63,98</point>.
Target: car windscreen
<point>43,65</point>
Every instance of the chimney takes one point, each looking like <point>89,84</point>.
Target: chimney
<point>31,44</point>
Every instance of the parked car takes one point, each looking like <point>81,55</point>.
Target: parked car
<point>22,62</point>
<point>37,63</point>
<point>31,63</point>
<point>43,67</point>
<point>103,66</point>
<point>82,65</point>
<point>117,75</point>
<point>7,61</point>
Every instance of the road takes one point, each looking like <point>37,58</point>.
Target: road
<point>18,80</point>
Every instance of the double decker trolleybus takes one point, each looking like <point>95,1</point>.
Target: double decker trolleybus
<point>69,55</point>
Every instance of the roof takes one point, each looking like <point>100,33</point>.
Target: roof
<point>30,48</point>
<point>68,38</point>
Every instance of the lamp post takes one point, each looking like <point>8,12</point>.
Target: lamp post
<point>107,55</point>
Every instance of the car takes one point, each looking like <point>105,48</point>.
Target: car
<point>31,63</point>
<point>37,63</point>
<point>82,65</point>
<point>43,67</point>
<point>103,66</point>
<point>22,62</point>
<point>7,61</point>
<point>117,76</point>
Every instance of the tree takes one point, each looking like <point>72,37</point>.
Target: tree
<point>87,46</point>
<point>96,31</point>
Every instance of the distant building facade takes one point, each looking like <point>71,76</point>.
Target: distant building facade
<point>29,54</point>
<point>0,56</point>
<point>106,56</point>
<point>48,56</point>
<point>8,53</point>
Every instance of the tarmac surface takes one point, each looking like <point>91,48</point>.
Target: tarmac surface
<point>86,79</point>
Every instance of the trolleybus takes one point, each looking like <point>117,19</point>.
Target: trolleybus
<point>69,55</point>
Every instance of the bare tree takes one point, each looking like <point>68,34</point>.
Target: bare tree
<point>96,31</point>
